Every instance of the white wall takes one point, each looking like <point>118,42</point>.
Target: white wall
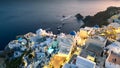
<point>111,65</point>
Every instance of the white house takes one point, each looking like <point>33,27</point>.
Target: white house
<point>65,44</point>
<point>84,63</point>
<point>115,47</point>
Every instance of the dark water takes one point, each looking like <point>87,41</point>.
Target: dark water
<point>20,17</point>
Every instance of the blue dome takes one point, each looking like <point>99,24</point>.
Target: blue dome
<point>73,33</point>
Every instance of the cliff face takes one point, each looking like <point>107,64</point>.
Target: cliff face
<point>101,17</point>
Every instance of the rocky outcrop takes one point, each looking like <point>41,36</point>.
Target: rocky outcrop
<point>79,17</point>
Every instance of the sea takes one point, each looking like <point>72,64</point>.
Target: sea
<point>18,17</point>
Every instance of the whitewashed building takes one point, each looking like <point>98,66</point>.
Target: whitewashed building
<point>115,47</point>
<point>84,63</point>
